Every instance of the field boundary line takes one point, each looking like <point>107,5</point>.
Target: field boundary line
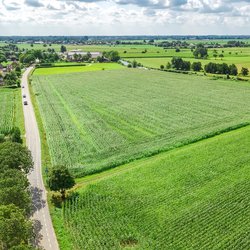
<point>122,168</point>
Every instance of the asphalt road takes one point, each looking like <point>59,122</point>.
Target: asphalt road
<point>45,234</point>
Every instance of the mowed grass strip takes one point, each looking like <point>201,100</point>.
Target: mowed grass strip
<point>75,69</point>
<point>98,120</point>
<point>11,112</point>
<point>195,197</point>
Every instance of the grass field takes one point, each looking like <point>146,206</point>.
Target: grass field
<point>75,69</point>
<point>11,112</point>
<point>237,56</point>
<point>98,120</point>
<point>195,197</point>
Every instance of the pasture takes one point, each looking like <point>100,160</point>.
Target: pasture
<point>237,56</point>
<point>11,113</point>
<point>195,197</point>
<point>74,69</point>
<point>98,120</point>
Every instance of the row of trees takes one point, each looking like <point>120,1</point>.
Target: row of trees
<point>31,56</point>
<point>16,230</point>
<point>213,68</point>
<point>223,69</point>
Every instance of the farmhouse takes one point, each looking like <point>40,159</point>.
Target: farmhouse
<point>71,53</point>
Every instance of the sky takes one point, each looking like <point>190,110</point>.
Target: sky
<point>124,17</point>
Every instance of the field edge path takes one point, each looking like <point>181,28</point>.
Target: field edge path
<point>45,234</point>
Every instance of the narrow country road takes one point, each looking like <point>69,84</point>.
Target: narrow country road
<point>45,234</point>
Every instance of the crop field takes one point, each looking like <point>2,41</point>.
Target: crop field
<point>75,69</point>
<point>11,113</point>
<point>195,197</point>
<point>98,120</point>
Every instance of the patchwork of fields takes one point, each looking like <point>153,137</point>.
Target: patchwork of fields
<point>98,120</point>
<point>196,197</point>
<point>11,113</point>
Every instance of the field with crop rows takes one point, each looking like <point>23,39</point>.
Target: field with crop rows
<point>195,197</point>
<point>98,120</point>
<point>11,113</point>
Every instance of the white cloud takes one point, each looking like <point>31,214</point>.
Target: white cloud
<point>118,17</point>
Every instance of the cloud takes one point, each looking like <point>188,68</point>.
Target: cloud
<point>33,3</point>
<point>11,5</point>
<point>124,17</point>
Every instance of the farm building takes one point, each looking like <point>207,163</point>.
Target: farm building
<point>70,54</point>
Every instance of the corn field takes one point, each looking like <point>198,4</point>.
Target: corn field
<point>11,110</point>
<point>197,197</point>
<point>98,120</point>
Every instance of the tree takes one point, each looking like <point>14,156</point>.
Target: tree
<point>196,66</point>
<point>168,66</point>
<point>15,156</point>
<point>186,65</point>
<point>18,71</point>
<point>134,64</point>
<point>63,49</point>
<point>16,135</point>
<point>244,71</point>
<point>221,56</point>
<point>200,51</point>
<point>177,62</point>
<point>162,67</point>
<point>60,179</point>
<point>3,58</point>
<point>233,70</point>
<point>15,228</point>
<point>11,78</point>
<point>112,56</point>
<point>14,189</point>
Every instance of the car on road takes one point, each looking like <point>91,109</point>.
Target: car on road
<point>25,103</point>
<point>23,86</point>
<point>24,96</point>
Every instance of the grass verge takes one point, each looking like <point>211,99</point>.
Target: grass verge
<point>46,160</point>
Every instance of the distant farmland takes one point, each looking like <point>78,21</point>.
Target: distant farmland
<point>11,113</point>
<point>98,120</point>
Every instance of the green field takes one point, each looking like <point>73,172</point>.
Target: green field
<point>240,59</point>
<point>11,113</point>
<point>195,197</point>
<point>75,69</point>
<point>98,120</point>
